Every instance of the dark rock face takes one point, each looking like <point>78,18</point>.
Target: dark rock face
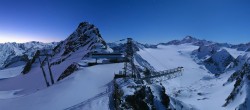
<point>218,62</point>
<point>248,50</point>
<point>203,51</point>
<point>237,86</point>
<point>241,77</point>
<point>215,59</point>
<point>165,100</point>
<point>141,99</point>
<point>72,68</point>
<point>28,65</point>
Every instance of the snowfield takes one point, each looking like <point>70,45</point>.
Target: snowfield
<point>89,86</point>
<point>197,87</point>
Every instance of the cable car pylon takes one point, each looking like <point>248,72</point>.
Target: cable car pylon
<point>130,70</point>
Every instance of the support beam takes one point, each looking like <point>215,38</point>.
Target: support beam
<point>44,75</point>
<point>50,72</point>
<point>129,67</point>
<point>172,73</point>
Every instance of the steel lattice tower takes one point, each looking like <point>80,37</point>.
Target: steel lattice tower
<point>129,67</point>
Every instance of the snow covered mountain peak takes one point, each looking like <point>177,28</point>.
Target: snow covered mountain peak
<point>188,39</point>
<point>85,39</point>
<point>85,35</point>
<point>211,79</point>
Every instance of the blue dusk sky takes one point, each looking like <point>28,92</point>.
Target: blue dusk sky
<point>147,21</point>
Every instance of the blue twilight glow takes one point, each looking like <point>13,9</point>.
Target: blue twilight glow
<point>148,21</point>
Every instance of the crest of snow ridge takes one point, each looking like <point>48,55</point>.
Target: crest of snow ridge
<point>81,41</point>
<point>188,39</point>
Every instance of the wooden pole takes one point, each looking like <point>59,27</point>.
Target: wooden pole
<point>50,72</point>
<point>44,75</point>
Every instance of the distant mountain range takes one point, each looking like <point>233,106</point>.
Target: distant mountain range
<point>199,42</point>
<point>15,54</point>
<point>20,53</point>
<point>204,61</point>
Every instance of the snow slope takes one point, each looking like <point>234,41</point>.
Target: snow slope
<point>89,88</point>
<point>169,57</point>
<point>82,86</point>
<point>234,52</point>
<point>89,85</point>
<point>197,87</point>
<point>66,53</point>
<point>10,72</point>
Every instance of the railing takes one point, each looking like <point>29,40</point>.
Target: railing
<point>172,73</point>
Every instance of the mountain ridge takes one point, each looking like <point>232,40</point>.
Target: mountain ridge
<point>73,55</point>
<point>13,50</point>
